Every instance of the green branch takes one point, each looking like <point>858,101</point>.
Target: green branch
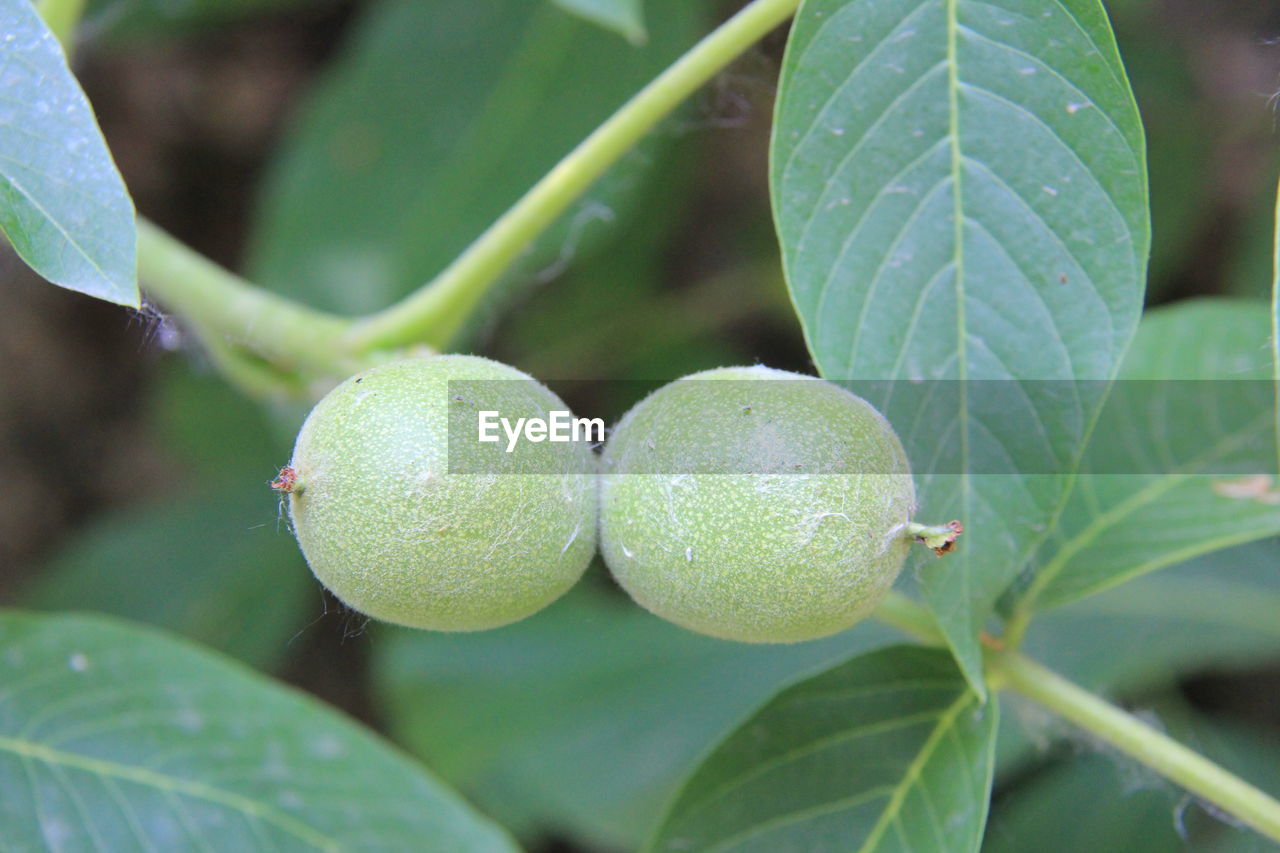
<point>254,376</point>
<point>227,311</point>
<point>1139,741</point>
<point>435,313</point>
<point>231,314</point>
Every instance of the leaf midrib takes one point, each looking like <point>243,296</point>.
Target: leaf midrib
<point>880,727</point>
<point>29,750</point>
<point>891,810</point>
<point>968,656</point>
<point>40,209</point>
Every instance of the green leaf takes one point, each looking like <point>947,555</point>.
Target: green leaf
<point>887,751</point>
<point>625,17</point>
<point>63,205</point>
<point>960,193</point>
<point>1095,803</point>
<point>1248,268</point>
<point>1117,526</point>
<point>114,737</point>
<point>435,119</point>
<point>582,719</point>
<point>215,435</point>
<point>246,595</point>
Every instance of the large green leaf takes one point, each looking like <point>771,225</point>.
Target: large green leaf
<point>960,193</point>
<point>582,719</point>
<point>887,751</point>
<point>114,737</point>
<point>63,205</point>
<point>434,120</point>
<point>220,569</point>
<point>1188,433</point>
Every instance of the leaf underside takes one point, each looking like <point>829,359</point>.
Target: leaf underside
<point>63,205</point>
<point>960,193</point>
<point>114,737</point>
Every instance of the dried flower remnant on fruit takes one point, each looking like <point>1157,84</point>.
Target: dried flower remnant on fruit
<point>286,482</point>
<point>941,538</point>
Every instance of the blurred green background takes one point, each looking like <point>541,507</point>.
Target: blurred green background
<point>342,153</point>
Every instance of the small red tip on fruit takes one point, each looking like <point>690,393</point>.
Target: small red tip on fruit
<point>286,481</point>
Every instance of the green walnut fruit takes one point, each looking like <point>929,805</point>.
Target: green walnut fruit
<point>402,529</point>
<point>755,504</point>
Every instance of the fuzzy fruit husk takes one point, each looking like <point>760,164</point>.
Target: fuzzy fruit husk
<point>761,511</point>
<point>394,534</point>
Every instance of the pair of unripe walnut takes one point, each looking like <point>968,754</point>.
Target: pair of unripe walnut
<point>764,511</point>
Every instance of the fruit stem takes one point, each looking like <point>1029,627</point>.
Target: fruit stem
<point>1126,733</point>
<point>436,312</point>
